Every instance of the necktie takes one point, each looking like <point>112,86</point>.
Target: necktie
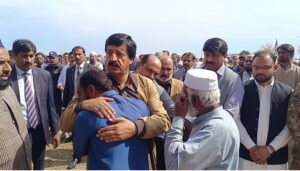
<point>78,72</point>
<point>184,73</point>
<point>31,110</point>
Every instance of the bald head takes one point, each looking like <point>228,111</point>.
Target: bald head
<point>166,72</point>
<point>149,66</point>
<point>166,60</point>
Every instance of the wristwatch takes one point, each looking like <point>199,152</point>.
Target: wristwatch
<point>269,149</point>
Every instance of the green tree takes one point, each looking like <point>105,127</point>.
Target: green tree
<point>244,52</point>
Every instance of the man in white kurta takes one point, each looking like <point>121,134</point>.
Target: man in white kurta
<point>214,140</point>
<point>263,71</point>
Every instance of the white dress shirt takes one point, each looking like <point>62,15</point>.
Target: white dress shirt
<point>62,76</point>
<point>21,85</point>
<point>262,131</point>
<point>80,68</point>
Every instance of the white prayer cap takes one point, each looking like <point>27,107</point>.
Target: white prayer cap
<point>201,79</point>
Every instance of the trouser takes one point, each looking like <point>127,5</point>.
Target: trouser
<point>160,163</point>
<point>38,142</point>
<point>75,156</point>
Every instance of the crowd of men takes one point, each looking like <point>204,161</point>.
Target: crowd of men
<point>153,111</point>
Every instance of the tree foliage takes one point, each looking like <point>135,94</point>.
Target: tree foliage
<point>244,52</point>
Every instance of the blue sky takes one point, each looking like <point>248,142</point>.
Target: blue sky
<point>178,26</point>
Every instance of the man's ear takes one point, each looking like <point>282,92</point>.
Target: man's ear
<point>225,56</point>
<point>139,64</point>
<point>14,55</point>
<point>196,101</point>
<point>91,91</point>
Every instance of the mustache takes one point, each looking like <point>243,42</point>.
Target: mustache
<point>5,74</point>
<point>209,63</point>
<point>260,75</point>
<point>115,64</point>
<point>164,76</point>
<point>28,63</point>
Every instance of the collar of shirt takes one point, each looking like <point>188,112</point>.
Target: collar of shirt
<point>20,72</point>
<point>261,87</point>
<point>109,93</point>
<point>167,84</point>
<point>81,65</point>
<point>129,90</point>
<point>221,70</point>
<point>208,115</point>
<point>287,68</point>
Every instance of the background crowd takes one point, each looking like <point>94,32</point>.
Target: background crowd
<point>150,103</point>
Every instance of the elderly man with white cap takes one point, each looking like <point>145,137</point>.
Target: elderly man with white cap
<point>214,140</point>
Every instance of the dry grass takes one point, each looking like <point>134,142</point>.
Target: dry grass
<point>58,159</point>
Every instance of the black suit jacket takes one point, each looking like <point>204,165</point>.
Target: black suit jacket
<point>44,92</point>
<point>69,85</point>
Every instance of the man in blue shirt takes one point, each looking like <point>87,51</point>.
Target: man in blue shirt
<point>130,154</point>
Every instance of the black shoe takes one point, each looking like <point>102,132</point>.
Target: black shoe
<point>69,139</point>
<point>73,163</point>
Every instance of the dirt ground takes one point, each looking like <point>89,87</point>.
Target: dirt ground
<point>58,159</point>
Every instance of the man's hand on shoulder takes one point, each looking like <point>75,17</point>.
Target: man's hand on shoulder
<point>100,107</point>
<point>122,130</point>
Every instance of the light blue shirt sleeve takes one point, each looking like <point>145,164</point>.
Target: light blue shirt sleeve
<point>234,99</point>
<point>62,77</point>
<point>196,153</point>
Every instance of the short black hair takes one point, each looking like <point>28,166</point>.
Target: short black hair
<point>166,51</point>
<point>288,47</point>
<point>23,45</point>
<point>70,53</point>
<point>78,47</point>
<point>99,79</point>
<point>66,53</point>
<point>264,54</point>
<point>215,44</point>
<point>40,53</point>
<point>189,54</point>
<point>120,38</point>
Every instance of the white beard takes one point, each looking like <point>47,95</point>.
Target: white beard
<point>192,111</point>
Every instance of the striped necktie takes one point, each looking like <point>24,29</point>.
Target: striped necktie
<point>31,110</point>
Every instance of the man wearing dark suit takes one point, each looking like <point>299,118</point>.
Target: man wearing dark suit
<point>188,60</point>
<point>55,69</point>
<point>33,88</point>
<point>70,85</point>
<point>72,74</point>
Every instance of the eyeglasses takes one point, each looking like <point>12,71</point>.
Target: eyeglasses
<point>265,68</point>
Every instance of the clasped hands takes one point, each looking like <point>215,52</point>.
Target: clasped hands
<point>260,154</point>
<point>122,129</point>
